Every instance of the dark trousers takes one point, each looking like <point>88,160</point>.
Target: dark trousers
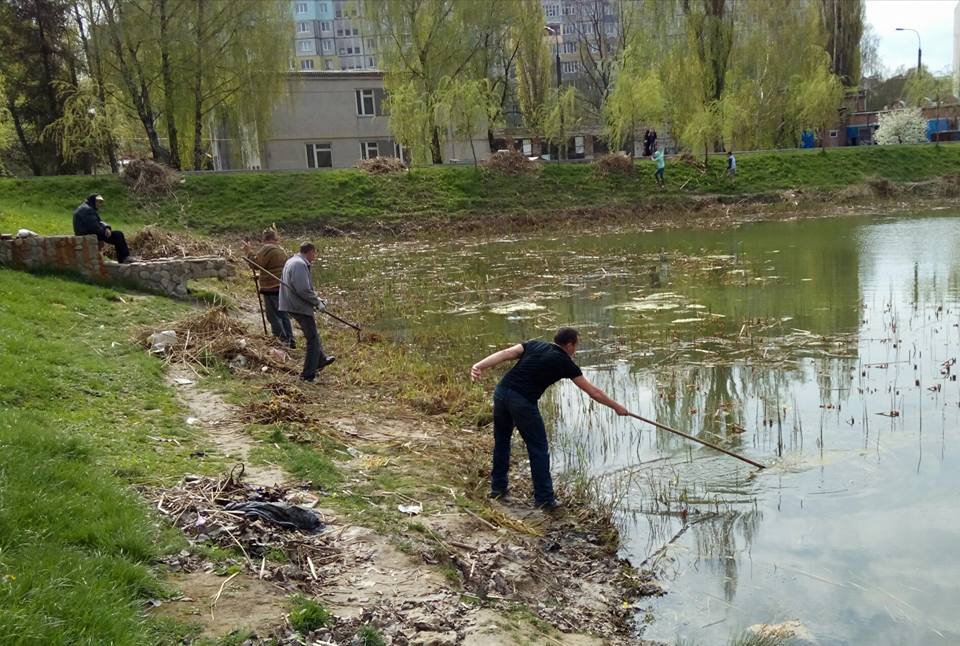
<point>659,176</point>
<point>119,243</point>
<point>308,325</point>
<point>279,321</point>
<point>511,409</point>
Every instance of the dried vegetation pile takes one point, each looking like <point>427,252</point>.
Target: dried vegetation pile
<point>510,162</point>
<point>151,243</point>
<point>619,163</point>
<point>382,165</point>
<point>147,178</point>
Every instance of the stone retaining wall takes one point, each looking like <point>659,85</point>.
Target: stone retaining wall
<point>81,255</point>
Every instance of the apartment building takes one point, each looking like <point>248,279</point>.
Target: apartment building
<point>332,35</point>
<point>334,119</point>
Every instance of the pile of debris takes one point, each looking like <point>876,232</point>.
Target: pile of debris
<point>147,178</point>
<point>688,159</point>
<point>214,337</point>
<point>283,407</point>
<point>382,165</point>
<point>151,243</point>
<point>619,163</point>
<point>263,522</point>
<point>510,162</point>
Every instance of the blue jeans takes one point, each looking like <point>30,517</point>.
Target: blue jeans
<point>279,321</point>
<point>311,361</point>
<point>511,409</point>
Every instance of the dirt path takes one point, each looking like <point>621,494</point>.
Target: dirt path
<point>410,600</point>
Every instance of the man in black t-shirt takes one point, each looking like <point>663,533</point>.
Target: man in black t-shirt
<point>540,365</point>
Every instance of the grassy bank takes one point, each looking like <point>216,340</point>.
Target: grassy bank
<point>243,202</point>
<point>79,402</point>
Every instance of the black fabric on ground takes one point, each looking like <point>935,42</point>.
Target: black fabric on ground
<point>278,513</point>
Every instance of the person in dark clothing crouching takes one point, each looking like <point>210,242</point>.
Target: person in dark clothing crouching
<point>540,365</point>
<point>86,221</point>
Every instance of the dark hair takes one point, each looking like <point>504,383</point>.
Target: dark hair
<point>269,234</point>
<point>566,335</point>
<point>307,247</point>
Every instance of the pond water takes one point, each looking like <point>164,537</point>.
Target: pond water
<point>823,348</point>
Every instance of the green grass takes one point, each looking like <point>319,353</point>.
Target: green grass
<point>79,400</point>
<point>308,615</point>
<point>369,635</point>
<point>247,202</point>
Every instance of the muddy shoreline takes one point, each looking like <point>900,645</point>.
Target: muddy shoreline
<point>662,212</point>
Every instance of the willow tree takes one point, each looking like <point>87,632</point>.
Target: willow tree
<point>423,42</point>
<point>466,106</point>
<point>562,117</point>
<point>842,22</point>
<point>636,99</point>
<point>817,93</point>
<point>533,67</point>
<point>84,134</point>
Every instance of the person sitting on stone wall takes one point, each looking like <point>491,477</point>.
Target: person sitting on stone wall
<point>86,222</point>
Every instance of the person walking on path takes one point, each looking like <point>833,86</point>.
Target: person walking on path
<point>272,258</point>
<point>539,365</point>
<point>731,165</point>
<point>86,222</point>
<point>300,301</point>
<point>661,165</point>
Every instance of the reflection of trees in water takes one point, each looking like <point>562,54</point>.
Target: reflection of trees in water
<point>716,544</point>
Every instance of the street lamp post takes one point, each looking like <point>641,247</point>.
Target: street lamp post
<point>919,51</point>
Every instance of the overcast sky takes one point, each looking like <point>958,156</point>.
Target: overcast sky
<point>932,18</point>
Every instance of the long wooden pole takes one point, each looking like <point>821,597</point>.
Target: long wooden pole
<point>256,285</point>
<point>698,440</point>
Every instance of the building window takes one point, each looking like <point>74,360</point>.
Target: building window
<point>339,13</point>
<point>551,10</point>
<point>610,28</point>
<point>366,107</point>
<point>369,149</point>
<point>323,7</point>
<point>306,64</point>
<point>371,62</point>
<point>302,27</point>
<point>319,156</point>
<point>324,26</point>
<point>527,147</point>
<point>569,48</point>
<point>833,134</point>
<point>371,43</point>
<point>342,51</point>
<point>339,32</point>
<point>570,67</point>
<point>578,145</point>
<point>356,31</point>
<point>305,46</point>
<point>301,7</point>
<point>569,9</point>
<point>326,45</point>
<point>327,64</point>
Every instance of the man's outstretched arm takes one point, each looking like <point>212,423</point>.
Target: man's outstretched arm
<point>510,354</point>
<point>598,395</point>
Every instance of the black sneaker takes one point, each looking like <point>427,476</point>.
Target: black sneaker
<point>497,495</point>
<point>551,506</point>
<point>326,361</point>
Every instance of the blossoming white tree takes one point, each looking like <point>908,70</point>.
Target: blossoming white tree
<point>906,126</point>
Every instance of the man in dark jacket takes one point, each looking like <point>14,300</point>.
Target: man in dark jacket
<point>540,365</point>
<point>86,221</point>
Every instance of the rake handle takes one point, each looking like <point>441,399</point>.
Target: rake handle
<point>698,440</point>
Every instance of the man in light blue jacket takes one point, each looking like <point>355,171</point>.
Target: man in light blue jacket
<point>300,301</point>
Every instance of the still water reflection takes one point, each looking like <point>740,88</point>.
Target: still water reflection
<point>825,348</point>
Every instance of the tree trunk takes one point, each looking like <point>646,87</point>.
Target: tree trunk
<point>198,92</point>
<point>46,54</point>
<point>136,87</point>
<point>435,150</point>
<point>167,73</point>
<point>21,135</point>
<point>91,51</point>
